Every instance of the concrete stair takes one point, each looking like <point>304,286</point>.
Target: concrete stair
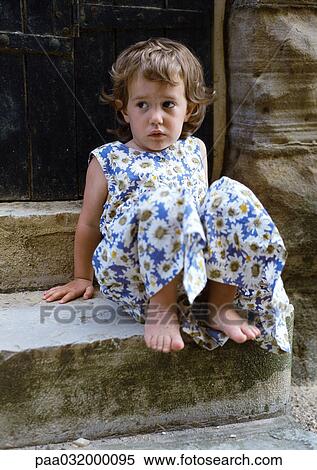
<point>82,369</point>
<point>279,433</point>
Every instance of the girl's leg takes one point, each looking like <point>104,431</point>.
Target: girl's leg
<point>238,232</point>
<point>223,316</point>
<point>161,331</point>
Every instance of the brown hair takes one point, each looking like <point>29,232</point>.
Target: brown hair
<point>159,59</point>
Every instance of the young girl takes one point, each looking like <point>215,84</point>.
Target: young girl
<point>165,239</point>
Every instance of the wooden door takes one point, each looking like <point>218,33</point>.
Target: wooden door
<point>54,59</point>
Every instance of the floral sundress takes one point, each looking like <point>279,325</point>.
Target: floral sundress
<point>161,220</point>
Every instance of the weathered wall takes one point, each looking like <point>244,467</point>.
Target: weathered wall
<point>272,148</point>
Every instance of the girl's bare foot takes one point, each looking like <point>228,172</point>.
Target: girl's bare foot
<point>224,317</point>
<point>161,329</point>
<point>237,328</point>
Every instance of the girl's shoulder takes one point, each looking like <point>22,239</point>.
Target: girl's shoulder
<point>197,154</point>
<point>102,152</point>
<point>105,148</point>
<point>193,144</point>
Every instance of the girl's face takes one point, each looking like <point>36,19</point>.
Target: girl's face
<point>156,112</point>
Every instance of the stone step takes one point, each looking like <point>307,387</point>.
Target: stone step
<point>83,369</point>
<point>280,433</point>
<point>36,243</point>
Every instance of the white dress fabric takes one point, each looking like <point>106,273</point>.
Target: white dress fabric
<point>161,220</point>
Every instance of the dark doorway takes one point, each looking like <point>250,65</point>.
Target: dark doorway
<point>54,58</point>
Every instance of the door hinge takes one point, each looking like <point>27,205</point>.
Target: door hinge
<point>75,18</point>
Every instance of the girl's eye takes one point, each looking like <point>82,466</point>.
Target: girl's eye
<point>142,105</point>
<point>168,104</point>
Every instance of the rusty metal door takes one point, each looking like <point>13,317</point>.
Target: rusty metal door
<point>54,59</point>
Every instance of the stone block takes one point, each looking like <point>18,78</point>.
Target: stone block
<point>82,369</point>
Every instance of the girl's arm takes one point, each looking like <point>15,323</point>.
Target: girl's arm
<point>88,233</point>
<point>87,237</point>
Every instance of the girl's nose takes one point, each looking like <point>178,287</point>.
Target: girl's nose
<point>156,117</point>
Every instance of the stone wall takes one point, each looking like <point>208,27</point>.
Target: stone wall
<point>36,244</point>
<point>272,140</point>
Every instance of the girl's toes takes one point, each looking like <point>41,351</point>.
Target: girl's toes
<point>239,337</point>
<point>251,334</point>
<point>167,344</point>
<point>153,342</point>
<point>254,330</point>
<point>177,344</point>
<point>159,343</point>
<point>257,331</point>
<point>147,341</point>
<point>248,332</point>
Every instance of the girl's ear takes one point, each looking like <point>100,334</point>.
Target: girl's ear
<point>190,109</point>
<point>119,107</point>
<point>125,116</point>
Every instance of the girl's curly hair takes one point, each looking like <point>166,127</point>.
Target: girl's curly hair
<point>159,59</point>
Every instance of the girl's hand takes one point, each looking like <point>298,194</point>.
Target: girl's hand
<point>72,290</point>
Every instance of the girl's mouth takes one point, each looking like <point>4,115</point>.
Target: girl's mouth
<point>156,134</point>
